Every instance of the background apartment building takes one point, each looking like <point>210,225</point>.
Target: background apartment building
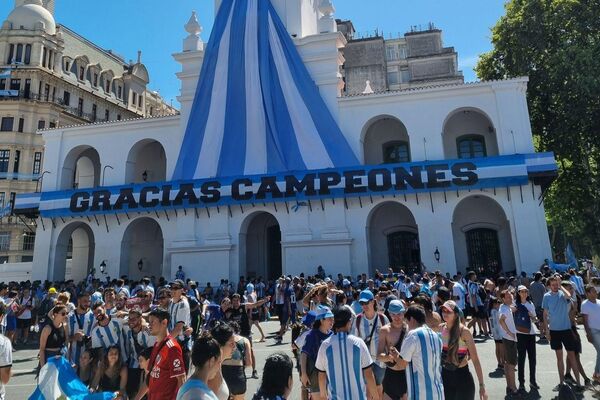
<point>49,77</point>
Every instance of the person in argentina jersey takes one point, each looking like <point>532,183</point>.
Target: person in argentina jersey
<point>107,331</point>
<point>345,364</point>
<point>137,337</point>
<point>421,355</point>
<point>179,310</point>
<point>366,326</point>
<point>80,324</point>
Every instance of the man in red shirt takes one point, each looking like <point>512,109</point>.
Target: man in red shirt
<point>167,372</point>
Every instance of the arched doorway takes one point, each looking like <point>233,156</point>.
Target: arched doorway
<point>386,141</point>
<point>393,238</point>
<point>469,133</point>
<point>260,240</point>
<point>74,252</point>
<point>81,169</point>
<point>142,246</point>
<point>147,161</point>
<point>482,237</point>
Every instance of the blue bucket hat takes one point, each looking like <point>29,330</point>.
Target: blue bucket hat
<point>396,307</point>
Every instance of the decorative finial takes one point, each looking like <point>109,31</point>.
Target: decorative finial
<point>326,22</point>
<point>193,26</point>
<point>326,8</point>
<point>139,57</point>
<point>368,88</point>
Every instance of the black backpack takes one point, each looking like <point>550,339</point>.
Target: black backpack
<point>566,393</point>
<point>482,293</point>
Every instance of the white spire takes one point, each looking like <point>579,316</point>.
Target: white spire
<point>368,88</point>
<point>193,27</point>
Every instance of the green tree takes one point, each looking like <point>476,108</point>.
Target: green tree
<point>557,44</point>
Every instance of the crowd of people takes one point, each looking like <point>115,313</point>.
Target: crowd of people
<point>392,336</point>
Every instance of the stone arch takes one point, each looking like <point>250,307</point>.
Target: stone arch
<point>393,238</point>
<point>383,136</point>
<point>260,246</point>
<point>143,242</point>
<point>482,236</point>
<point>81,168</point>
<point>468,122</point>
<point>146,156</point>
<point>74,252</point>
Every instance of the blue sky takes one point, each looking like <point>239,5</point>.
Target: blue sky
<point>156,26</point>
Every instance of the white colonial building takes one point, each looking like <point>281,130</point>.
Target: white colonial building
<point>445,176</point>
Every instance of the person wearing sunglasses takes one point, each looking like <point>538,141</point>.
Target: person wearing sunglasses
<point>53,338</point>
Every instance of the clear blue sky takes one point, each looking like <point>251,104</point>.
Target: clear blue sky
<point>156,26</point>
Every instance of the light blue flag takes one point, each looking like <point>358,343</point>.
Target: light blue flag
<point>58,378</point>
<point>570,256</point>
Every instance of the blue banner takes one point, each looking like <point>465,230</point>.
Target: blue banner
<point>418,177</point>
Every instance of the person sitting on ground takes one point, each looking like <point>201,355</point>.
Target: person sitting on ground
<point>111,375</point>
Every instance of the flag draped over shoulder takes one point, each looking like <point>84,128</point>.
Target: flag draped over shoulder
<point>58,379</point>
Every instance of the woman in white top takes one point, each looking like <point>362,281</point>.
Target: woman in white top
<point>224,335</point>
<point>206,358</point>
<point>525,318</point>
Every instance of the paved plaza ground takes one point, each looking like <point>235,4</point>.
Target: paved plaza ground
<point>23,384</point>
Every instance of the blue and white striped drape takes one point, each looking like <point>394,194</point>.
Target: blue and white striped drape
<point>257,109</point>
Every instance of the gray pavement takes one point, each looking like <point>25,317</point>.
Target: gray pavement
<point>22,383</point>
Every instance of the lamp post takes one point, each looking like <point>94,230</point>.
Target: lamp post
<point>103,267</point>
<point>140,265</point>
<point>104,172</point>
<point>40,180</point>
<point>145,176</point>
<point>436,254</point>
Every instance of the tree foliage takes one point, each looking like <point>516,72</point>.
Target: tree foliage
<point>557,44</point>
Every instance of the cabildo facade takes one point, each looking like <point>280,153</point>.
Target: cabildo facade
<point>272,169</point>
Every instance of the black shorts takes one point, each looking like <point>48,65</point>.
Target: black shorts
<point>394,383</point>
<point>510,351</point>
<point>565,338</point>
<point>578,348</point>
<point>255,316</point>
<point>23,323</point>
<point>133,381</point>
<point>235,377</point>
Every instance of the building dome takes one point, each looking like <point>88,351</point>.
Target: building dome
<point>31,16</point>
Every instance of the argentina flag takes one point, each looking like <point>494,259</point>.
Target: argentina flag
<point>256,109</point>
<point>58,380</point>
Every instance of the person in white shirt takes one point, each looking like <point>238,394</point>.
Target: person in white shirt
<point>590,309</point>
<point>525,319</point>
<point>458,294</point>
<point>25,305</point>
<point>5,357</point>
<point>509,340</point>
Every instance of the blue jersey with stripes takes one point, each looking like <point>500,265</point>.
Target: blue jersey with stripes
<point>134,341</point>
<point>79,322</point>
<point>109,335</point>
<point>363,327</point>
<point>343,358</point>
<point>422,349</point>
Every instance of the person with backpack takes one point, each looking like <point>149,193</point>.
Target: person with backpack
<point>367,326</point>
<point>525,318</point>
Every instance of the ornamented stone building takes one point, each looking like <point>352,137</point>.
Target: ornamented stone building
<point>52,77</point>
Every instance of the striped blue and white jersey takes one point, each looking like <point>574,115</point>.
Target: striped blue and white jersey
<point>343,358</point>
<point>578,284</point>
<point>422,349</point>
<point>180,312</point>
<point>474,295</point>
<point>143,339</point>
<point>362,327</point>
<point>79,322</point>
<point>109,335</point>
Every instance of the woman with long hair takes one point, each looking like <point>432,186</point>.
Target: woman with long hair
<point>234,368</point>
<point>277,378</point>
<point>458,348</point>
<point>206,358</point>
<point>85,367</point>
<point>53,338</point>
<point>225,336</point>
<point>526,334</point>
<point>111,375</point>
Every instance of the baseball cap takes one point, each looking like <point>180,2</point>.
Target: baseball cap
<point>396,307</point>
<point>451,306</point>
<point>327,280</point>
<point>341,317</point>
<point>345,282</point>
<point>365,296</point>
<point>522,287</point>
<point>249,288</point>
<point>177,282</point>
<point>52,291</point>
<point>309,318</point>
<point>323,312</point>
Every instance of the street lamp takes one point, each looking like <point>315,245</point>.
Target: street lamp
<point>436,254</point>
<point>104,172</point>
<point>140,265</point>
<point>145,176</point>
<point>39,180</point>
<point>103,267</point>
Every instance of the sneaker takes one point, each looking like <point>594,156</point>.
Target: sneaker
<point>521,389</point>
<point>534,385</point>
<point>254,375</point>
<point>569,378</point>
